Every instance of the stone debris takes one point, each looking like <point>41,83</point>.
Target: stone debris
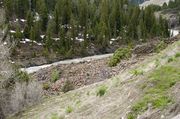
<point>82,74</point>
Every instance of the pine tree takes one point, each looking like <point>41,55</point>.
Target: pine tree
<point>22,7</point>
<point>28,24</point>
<point>165,6</point>
<point>18,34</point>
<point>57,21</point>
<point>66,12</point>
<point>43,12</point>
<point>99,20</point>
<point>49,41</point>
<point>9,8</point>
<point>32,35</point>
<point>83,13</point>
<point>51,28</point>
<point>73,32</point>
<point>62,44</point>
<point>37,30</point>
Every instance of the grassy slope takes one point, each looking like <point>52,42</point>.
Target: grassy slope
<point>156,87</point>
<point>115,97</point>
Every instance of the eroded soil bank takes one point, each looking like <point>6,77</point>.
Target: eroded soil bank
<point>122,92</point>
<point>86,72</point>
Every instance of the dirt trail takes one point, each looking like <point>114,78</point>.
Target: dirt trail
<point>75,61</point>
<point>123,91</point>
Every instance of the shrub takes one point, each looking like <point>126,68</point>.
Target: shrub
<point>171,59</point>
<point>69,53</point>
<point>34,54</point>
<point>25,95</point>
<point>45,52</point>
<point>55,75</point>
<point>121,53</point>
<point>69,109</point>
<point>137,72</point>
<point>20,92</point>
<point>21,96</point>
<point>130,116</point>
<point>102,90</point>
<point>56,116</point>
<point>162,45</point>
<point>22,76</point>
<point>68,86</point>
<point>46,86</point>
<point>157,63</point>
<point>177,55</point>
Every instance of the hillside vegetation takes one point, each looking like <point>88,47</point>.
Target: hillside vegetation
<point>140,80</point>
<point>145,89</point>
<point>72,28</point>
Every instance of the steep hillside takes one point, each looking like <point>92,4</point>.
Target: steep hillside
<point>116,97</point>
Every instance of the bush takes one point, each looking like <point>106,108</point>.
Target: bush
<point>46,86</point>
<point>131,116</point>
<point>68,86</point>
<point>121,53</point>
<point>55,75</point>
<point>56,116</point>
<point>102,90</point>
<point>45,52</point>
<point>162,45</point>
<point>69,109</point>
<point>69,53</point>
<point>21,96</point>
<point>137,72</point>
<point>23,76</point>
<point>177,55</point>
<point>171,59</point>
<point>20,92</point>
<point>25,95</point>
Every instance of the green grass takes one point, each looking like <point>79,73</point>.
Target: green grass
<point>137,72</point>
<point>177,55</point>
<point>55,116</point>
<point>156,89</point>
<point>162,45</point>
<point>55,75</point>
<point>157,63</point>
<point>68,86</point>
<point>102,90</point>
<point>171,59</point>
<point>22,76</point>
<point>46,86</point>
<point>69,109</point>
<point>121,53</point>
